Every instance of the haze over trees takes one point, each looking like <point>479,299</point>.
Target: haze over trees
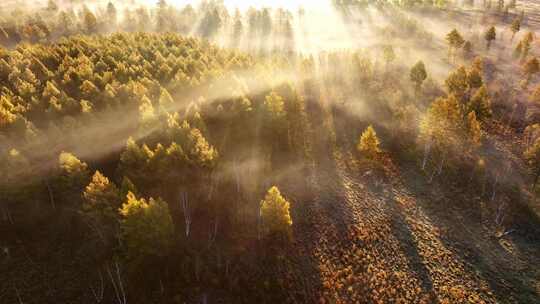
<point>351,151</point>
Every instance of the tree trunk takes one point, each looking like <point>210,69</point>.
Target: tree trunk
<point>427,149</point>
<point>494,188</point>
<point>440,167</point>
<point>187,212</point>
<point>51,197</point>
<point>536,176</point>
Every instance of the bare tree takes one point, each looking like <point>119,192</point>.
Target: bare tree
<point>187,212</point>
<point>51,197</point>
<point>427,149</point>
<point>213,232</point>
<point>116,280</point>
<point>494,187</point>
<point>6,214</point>
<point>18,295</point>
<point>501,213</point>
<point>99,292</point>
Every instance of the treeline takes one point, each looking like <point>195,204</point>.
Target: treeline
<point>249,30</point>
<point>157,141</point>
<point>168,148</point>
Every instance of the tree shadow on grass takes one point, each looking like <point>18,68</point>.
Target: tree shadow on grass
<point>321,218</point>
<point>480,253</point>
<point>402,232</point>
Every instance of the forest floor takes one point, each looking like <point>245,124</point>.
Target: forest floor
<point>357,238</point>
<point>399,239</point>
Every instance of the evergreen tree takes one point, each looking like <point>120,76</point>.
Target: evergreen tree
<point>274,106</point>
<point>165,98</point>
<point>480,104</point>
<point>455,41</point>
<point>147,228</point>
<point>101,198</point>
<point>73,175</point>
<point>147,114</point>
<point>530,68</point>
<point>126,187</point>
<point>441,129</point>
<point>467,49</point>
<point>526,46</point>
<point>532,156</point>
<point>458,83</point>
<point>275,215</point>
<point>368,143</point>
<point>16,177</point>
<point>515,27</point>
<point>52,6</point>
<point>200,151</point>
<point>112,15</point>
<point>474,131</point>
<point>90,22</point>
<point>134,162</point>
<point>489,36</point>
<point>474,78</point>
<point>418,75</point>
<point>388,54</point>
<point>518,50</point>
<point>535,96</point>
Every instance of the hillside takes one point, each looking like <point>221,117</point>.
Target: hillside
<point>259,156</point>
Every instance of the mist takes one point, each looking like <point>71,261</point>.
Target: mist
<point>344,151</point>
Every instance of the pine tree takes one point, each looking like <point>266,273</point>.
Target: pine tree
<point>515,27</point>
<point>531,67</point>
<point>7,115</point>
<point>489,36</point>
<point>89,90</point>
<point>480,104</point>
<point>274,116</point>
<point>134,162</point>
<point>274,106</point>
<point>518,50</point>
<point>474,130</point>
<point>467,49</point>
<point>16,177</point>
<point>101,197</point>
<point>165,98</point>
<point>455,41</point>
<point>200,151</point>
<point>147,113</point>
<point>50,90</point>
<point>52,6</point>
<point>147,228</point>
<point>474,78</point>
<point>535,96</point>
<point>418,75</point>
<point>73,175</point>
<point>526,45</point>
<point>458,83</point>
<point>388,54</point>
<point>127,186</point>
<point>532,155</point>
<point>275,215</point>
<point>500,5</point>
<point>112,15</point>
<point>90,22</point>
<point>442,127</point>
<point>368,143</point>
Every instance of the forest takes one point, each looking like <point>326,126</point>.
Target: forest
<point>345,151</point>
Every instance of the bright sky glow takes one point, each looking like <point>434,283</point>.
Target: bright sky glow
<point>244,4</point>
